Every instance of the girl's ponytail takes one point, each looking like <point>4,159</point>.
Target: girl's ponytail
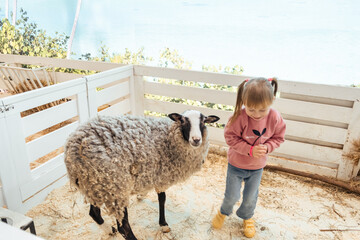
<point>274,84</point>
<point>239,102</point>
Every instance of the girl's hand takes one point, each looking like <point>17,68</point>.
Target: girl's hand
<point>259,151</point>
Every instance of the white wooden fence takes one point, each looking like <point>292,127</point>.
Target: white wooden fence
<point>321,120</point>
<point>24,187</point>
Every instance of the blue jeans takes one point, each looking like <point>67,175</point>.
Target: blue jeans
<point>234,178</point>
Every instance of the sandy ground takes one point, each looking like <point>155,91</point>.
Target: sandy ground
<point>289,207</point>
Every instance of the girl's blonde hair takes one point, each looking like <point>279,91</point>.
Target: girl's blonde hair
<point>256,92</point>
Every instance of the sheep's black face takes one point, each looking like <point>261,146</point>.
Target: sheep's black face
<point>193,125</point>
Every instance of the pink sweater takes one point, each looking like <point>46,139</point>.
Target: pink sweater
<point>240,136</point>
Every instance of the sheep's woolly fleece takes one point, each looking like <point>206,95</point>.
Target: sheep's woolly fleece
<point>115,157</point>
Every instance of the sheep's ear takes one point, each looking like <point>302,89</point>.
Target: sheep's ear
<point>211,119</point>
<point>175,117</point>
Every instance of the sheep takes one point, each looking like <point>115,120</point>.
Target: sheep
<point>110,158</point>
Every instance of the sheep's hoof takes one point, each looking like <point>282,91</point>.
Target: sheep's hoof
<point>113,232</point>
<point>165,229</point>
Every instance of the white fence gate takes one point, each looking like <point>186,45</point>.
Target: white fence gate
<point>23,186</point>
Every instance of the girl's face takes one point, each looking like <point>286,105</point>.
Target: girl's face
<point>257,113</point>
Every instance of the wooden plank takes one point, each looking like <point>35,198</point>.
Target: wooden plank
<point>41,96</point>
<point>314,121</point>
<point>117,109</point>
<point>5,76</point>
<point>26,79</point>
<point>169,107</point>
<point>16,145</point>
<point>193,93</point>
<point>315,99</point>
<point>63,77</point>
<point>112,93</point>
<point>315,132</point>
<point>49,142</point>
<point>57,62</point>
<point>48,166</point>
<point>83,107</point>
<point>8,172</point>
<point>313,110</point>
<point>31,77</point>
<point>109,76</point>
<point>15,79</point>
<point>137,95</point>
<point>349,169</point>
<point>216,136</point>
<point>40,196</point>
<point>301,166</point>
<point>295,150</point>
<point>21,80</point>
<point>5,84</point>
<point>319,90</point>
<point>46,77</point>
<point>190,75</point>
<point>32,187</point>
<point>92,102</point>
<point>41,120</point>
<point>36,77</point>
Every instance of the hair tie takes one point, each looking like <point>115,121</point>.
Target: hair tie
<point>246,80</point>
<point>270,79</point>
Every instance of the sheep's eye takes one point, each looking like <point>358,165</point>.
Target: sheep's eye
<point>185,129</point>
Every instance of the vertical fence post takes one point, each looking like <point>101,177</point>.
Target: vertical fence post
<point>82,104</point>
<point>91,98</point>
<point>347,168</point>
<point>137,94</point>
<point>132,92</point>
<point>8,175</point>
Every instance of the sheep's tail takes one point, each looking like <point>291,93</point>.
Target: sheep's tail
<point>73,159</point>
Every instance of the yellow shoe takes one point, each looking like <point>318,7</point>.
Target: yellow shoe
<point>249,228</point>
<point>218,220</point>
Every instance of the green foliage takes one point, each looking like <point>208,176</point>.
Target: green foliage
<point>138,57</point>
<point>172,59</point>
<point>128,57</point>
<point>26,39</point>
<point>236,70</point>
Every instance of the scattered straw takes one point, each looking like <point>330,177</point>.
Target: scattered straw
<point>289,207</point>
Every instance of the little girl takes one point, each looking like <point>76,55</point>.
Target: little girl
<point>252,132</point>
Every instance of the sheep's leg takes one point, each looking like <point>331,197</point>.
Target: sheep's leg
<point>125,229</point>
<point>95,213</point>
<point>164,226</point>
